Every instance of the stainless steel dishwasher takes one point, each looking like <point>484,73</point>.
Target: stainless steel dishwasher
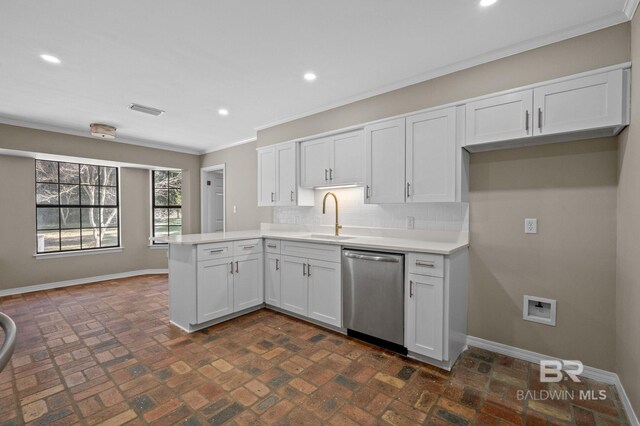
<point>373,297</point>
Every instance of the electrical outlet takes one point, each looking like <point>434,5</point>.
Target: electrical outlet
<point>531,226</point>
<point>411,222</point>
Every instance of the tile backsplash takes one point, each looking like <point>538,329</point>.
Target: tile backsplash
<point>354,212</point>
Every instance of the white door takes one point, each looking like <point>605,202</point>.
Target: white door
<point>267,177</point>
<point>579,104</point>
<point>247,281</point>
<point>500,118</point>
<point>294,285</point>
<point>425,316</point>
<point>347,159</point>
<point>431,156</point>
<point>286,175</point>
<point>325,292</point>
<point>314,159</point>
<point>272,279</point>
<point>217,198</point>
<point>214,289</point>
<point>384,162</point>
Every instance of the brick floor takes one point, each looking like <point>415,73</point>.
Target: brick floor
<point>105,353</point>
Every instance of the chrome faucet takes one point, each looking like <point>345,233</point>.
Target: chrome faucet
<point>324,205</point>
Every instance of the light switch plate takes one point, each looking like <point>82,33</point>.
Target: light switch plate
<point>411,222</point>
<point>531,226</point>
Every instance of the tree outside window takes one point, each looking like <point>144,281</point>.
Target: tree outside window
<point>167,203</point>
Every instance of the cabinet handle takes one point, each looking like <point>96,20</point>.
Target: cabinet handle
<point>308,269</point>
<point>291,196</point>
<point>231,263</point>
<point>368,192</point>
<point>425,264</point>
<point>526,121</point>
<point>330,174</point>
<point>216,251</point>
<point>248,247</point>
<point>410,288</point>
<point>273,197</point>
<point>325,175</point>
<point>408,190</point>
<point>277,264</point>
<point>540,118</point>
<point>237,266</point>
<point>304,269</point>
<point>272,246</point>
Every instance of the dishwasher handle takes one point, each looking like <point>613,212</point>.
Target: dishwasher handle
<point>372,257</point>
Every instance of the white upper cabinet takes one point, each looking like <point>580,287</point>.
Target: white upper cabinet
<point>582,103</point>
<point>267,177</point>
<point>431,156</point>
<point>333,160</point>
<point>500,118</point>
<point>384,162</point>
<point>286,175</point>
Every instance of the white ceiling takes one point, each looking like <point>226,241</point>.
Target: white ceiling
<point>193,57</point>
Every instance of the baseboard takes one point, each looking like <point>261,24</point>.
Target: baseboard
<point>602,376</point>
<point>79,281</point>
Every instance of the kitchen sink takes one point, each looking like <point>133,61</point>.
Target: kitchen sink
<point>330,237</point>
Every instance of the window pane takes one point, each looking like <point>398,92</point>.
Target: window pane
<point>175,197</point>
<point>175,230</point>
<point>69,217</point>
<point>90,217</point>
<point>48,218</point>
<point>90,238</point>
<point>70,239</point>
<point>46,193</point>
<point>161,196</point>
<point>175,217</point>
<point>161,216</point>
<point>69,173</point>
<point>89,175</point>
<point>109,217</point>
<point>89,195</point>
<point>175,179</point>
<point>108,196</point>
<point>69,194</point>
<point>108,176</point>
<point>46,171</point>
<point>160,178</point>
<point>48,241</point>
<point>109,237</point>
<point>160,230</point>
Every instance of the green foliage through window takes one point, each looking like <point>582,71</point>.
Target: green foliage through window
<point>167,203</point>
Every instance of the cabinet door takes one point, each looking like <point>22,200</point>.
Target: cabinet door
<point>347,159</point>
<point>425,316</point>
<point>579,104</point>
<point>267,177</point>
<point>431,156</point>
<point>272,279</point>
<point>384,162</point>
<point>325,292</point>
<point>293,285</point>
<point>247,282</point>
<point>215,289</point>
<point>314,156</point>
<point>286,175</point>
<point>500,118</point>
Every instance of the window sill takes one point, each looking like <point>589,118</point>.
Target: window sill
<point>41,256</point>
<point>158,246</point>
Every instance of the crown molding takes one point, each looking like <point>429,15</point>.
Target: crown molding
<point>630,8</point>
<point>231,145</point>
<point>607,21</point>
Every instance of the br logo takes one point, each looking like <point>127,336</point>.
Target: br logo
<point>554,371</point>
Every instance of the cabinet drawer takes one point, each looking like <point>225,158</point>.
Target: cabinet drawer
<point>327,252</point>
<point>426,264</point>
<point>247,247</point>
<point>272,246</point>
<point>214,251</point>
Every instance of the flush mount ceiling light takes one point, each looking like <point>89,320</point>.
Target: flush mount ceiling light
<point>146,110</point>
<point>310,76</point>
<point>223,112</point>
<point>50,58</point>
<point>485,3</point>
<point>102,131</point>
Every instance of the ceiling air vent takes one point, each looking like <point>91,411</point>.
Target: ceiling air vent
<point>103,131</point>
<point>146,110</point>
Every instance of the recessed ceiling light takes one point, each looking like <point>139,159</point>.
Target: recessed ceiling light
<point>223,111</point>
<point>49,58</point>
<point>310,76</point>
<point>486,3</point>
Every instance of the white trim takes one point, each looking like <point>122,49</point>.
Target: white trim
<point>602,376</point>
<point>630,8</point>
<point>43,256</point>
<point>158,246</point>
<point>230,145</point>
<point>203,210</point>
<point>87,280</point>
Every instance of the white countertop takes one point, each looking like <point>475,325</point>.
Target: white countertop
<point>383,242</point>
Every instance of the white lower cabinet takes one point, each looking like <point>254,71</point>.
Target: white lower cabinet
<point>425,316</point>
<point>272,273</point>
<point>247,282</point>
<point>325,292</point>
<point>215,289</point>
<point>293,285</point>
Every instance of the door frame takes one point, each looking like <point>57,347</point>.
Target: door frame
<point>204,207</point>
